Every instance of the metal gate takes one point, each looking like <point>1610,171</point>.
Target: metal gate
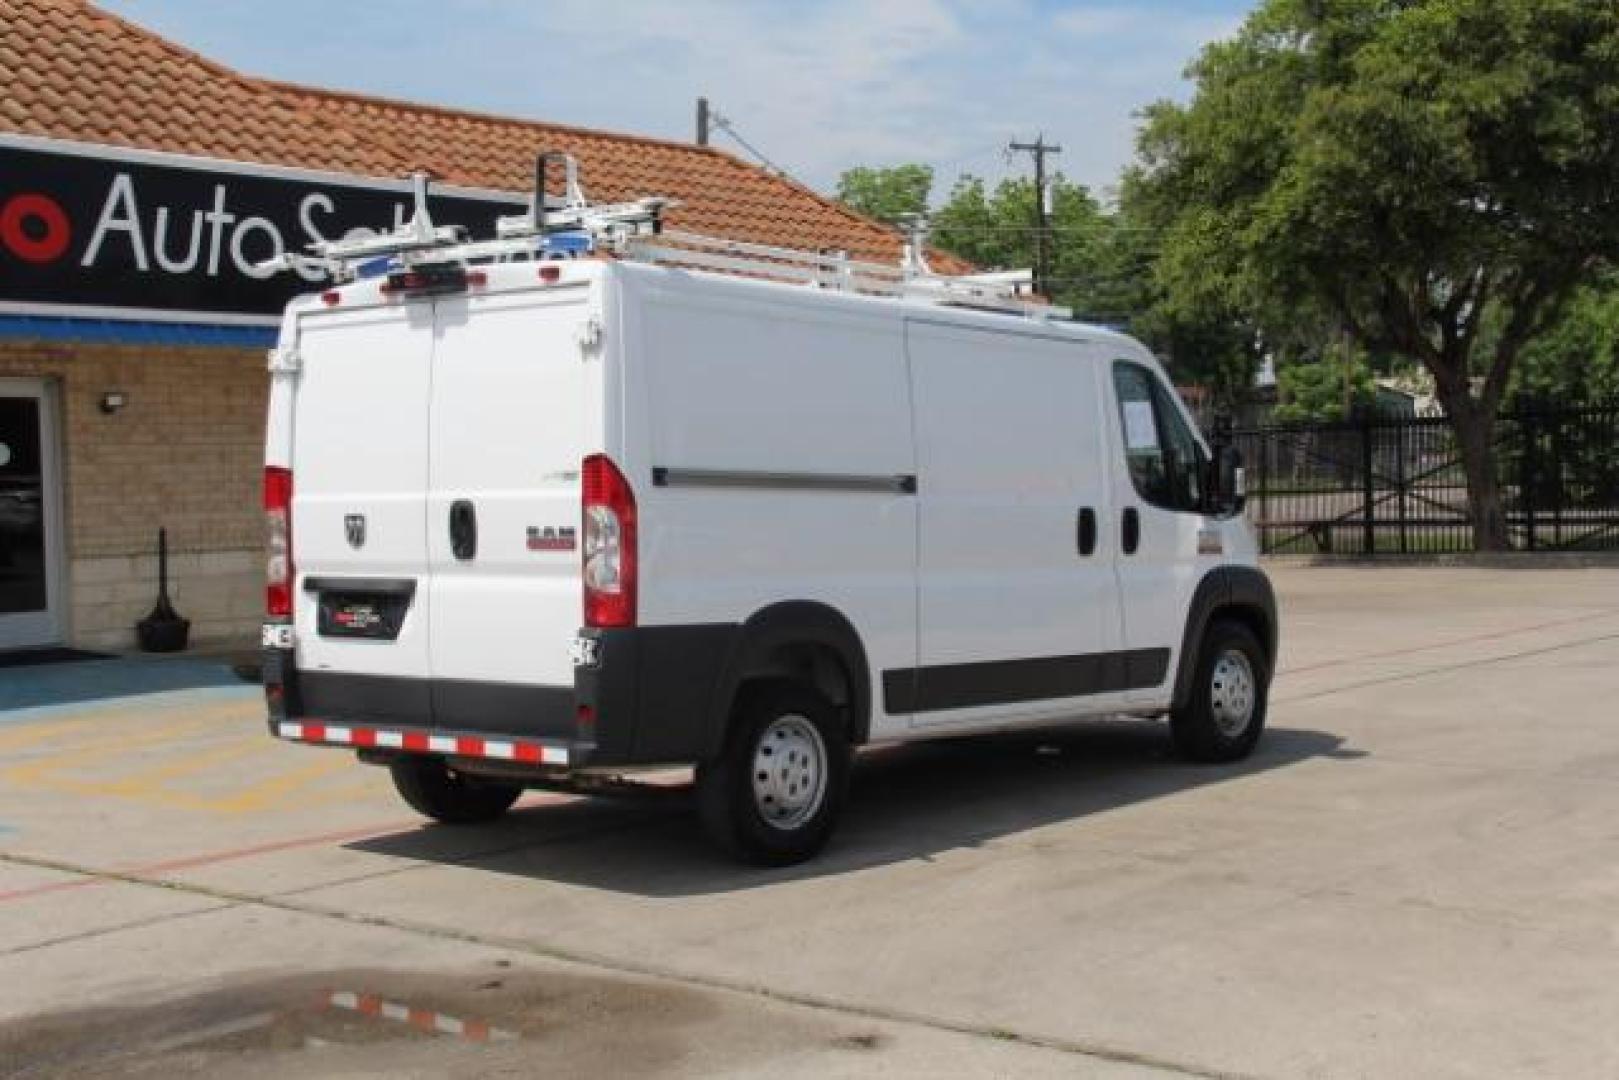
<point>1396,486</point>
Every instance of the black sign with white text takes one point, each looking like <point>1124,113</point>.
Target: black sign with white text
<point>105,228</point>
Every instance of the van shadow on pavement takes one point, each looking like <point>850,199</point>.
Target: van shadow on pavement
<point>907,802</point>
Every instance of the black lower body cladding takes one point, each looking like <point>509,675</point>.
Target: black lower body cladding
<point>649,697</point>
<point>666,681</point>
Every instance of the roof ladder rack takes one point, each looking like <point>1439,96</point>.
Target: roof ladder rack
<point>1005,291</point>
<point>571,225</point>
<point>552,228</point>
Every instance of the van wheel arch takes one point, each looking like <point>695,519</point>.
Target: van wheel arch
<point>800,641</point>
<point>1240,594</point>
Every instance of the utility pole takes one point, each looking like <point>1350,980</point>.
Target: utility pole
<point>1042,211</point>
<point>702,121</point>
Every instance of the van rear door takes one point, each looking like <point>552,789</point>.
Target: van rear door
<point>359,463</point>
<point>512,415</point>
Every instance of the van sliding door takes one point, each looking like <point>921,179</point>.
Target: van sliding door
<point>1018,602</point>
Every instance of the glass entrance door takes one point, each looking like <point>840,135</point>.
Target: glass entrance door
<point>28,516</point>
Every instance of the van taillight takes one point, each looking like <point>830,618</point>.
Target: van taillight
<point>608,510</point>
<point>278,526</point>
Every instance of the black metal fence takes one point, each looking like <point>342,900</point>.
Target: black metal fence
<point>1396,486</point>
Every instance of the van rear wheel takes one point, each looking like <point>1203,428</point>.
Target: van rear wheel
<point>1224,714</point>
<point>434,790</point>
<point>774,794</point>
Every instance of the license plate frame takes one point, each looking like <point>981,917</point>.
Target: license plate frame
<point>365,616</point>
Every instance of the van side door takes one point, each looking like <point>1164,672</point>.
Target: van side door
<point>1158,467</point>
<point>1018,616</point>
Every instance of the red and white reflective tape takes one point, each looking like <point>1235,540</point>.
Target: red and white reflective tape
<point>530,753</point>
<point>420,1019</point>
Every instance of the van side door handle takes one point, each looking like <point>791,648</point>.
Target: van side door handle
<point>1087,531</point>
<point>1131,530</point>
<point>463,530</point>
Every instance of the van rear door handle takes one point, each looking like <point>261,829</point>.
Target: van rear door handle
<point>1087,530</point>
<point>1131,530</point>
<point>463,530</point>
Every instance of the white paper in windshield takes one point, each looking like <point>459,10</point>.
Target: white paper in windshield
<point>1140,430</point>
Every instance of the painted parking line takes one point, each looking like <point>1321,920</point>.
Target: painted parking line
<point>191,862</point>
<point>101,730</point>
<point>177,765</point>
<point>284,789</point>
<point>214,858</point>
<point>118,708</point>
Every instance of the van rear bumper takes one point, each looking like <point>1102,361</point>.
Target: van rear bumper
<point>385,740</point>
<point>646,696</point>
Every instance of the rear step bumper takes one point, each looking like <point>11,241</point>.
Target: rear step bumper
<point>652,695</point>
<point>423,741</point>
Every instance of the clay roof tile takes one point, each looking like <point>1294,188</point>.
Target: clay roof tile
<point>77,72</point>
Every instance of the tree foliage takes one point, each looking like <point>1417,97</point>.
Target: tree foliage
<point>887,194</point>
<point>1332,385</point>
<point>1405,171</point>
<point>998,229</point>
<point>1103,263</point>
<point>1577,358</point>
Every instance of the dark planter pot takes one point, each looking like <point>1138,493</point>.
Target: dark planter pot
<point>163,635</point>
<point>163,630</point>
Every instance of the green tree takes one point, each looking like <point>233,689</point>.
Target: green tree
<point>1401,171</point>
<point>1200,336</point>
<point>1577,359</point>
<point>887,194</point>
<point>997,230</point>
<point>1103,264</point>
<point>1325,387</point>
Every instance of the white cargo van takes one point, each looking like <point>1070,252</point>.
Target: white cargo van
<point>538,521</point>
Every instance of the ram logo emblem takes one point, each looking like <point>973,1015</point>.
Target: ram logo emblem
<point>552,538</point>
<point>354,529</point>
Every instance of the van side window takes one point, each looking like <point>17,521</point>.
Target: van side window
<point>1159,448</point>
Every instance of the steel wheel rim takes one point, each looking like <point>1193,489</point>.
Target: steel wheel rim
<point>1233,691</point>
<point>789,772</point>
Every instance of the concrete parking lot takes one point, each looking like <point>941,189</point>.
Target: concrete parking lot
<point>1417,875</point>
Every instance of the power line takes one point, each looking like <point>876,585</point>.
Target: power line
<point>974,155</point>
<point>724,124</point>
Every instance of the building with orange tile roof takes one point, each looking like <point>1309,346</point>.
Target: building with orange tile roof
<point>139,182</point>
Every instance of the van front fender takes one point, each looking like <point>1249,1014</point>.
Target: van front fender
<point>1240,592</point>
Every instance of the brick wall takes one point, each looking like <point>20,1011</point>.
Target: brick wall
<point>185,453</point>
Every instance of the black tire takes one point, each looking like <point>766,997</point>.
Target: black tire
<point>735,813</point>
<point>433,790</point>
<point>1205,727</point>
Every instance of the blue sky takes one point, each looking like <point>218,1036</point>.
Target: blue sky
<point>818,85</point>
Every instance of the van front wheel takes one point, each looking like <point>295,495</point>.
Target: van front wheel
<point>431,789</point>
<point>1224,714</point>
<point>773,796</point>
